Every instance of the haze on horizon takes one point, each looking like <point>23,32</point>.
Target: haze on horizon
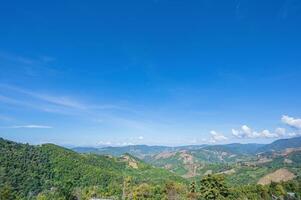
<point>155,72</point>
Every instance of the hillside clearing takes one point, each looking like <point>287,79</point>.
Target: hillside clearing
<point>277,176</point>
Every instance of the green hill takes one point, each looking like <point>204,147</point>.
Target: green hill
<point>281,144</point>
<point>27,171</point>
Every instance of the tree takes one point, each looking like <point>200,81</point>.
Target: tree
<point>142,191</point>
<point>213,187</point>
<point>174,191</point>
<point>127,182</point>
<point>6,193</point>
<point>192,191</point>
<point>263,191</point>
<point>277,189</point>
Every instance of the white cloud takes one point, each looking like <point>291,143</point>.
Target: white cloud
<point>292,122</point>
<point>140,137</point>
<point>244,132</point>
<point>217,137</point>
<point>107,143</point>
<point>123,144</point>
<point>236,133</point>
<point>31,126</point>
<point>293,134</point>
<point>280,131</point>
<point>247,132</point>
<point>241,132</point>
<point>268,134</point>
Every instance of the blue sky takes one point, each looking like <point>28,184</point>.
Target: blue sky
<point>150,72</point>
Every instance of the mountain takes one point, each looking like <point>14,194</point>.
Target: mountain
<point>85,149</point>
<point>145,151</point>
<point>28,171</point>
<point>193,161</point>
<point>281,144</point>
<point>140,151</point>
<point>197,162</point>
<point>236,148</point>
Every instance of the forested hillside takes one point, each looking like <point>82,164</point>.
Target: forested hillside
<point>27,171</point>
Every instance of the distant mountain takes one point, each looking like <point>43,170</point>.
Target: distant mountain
<point>140,151</point>
<point>144,151</point>
<point>85,149</point>
<point>236,148</point>
<point>281,144</point>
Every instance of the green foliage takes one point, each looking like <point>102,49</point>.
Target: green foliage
<point>174,190</point>
<point>24,168</point>
<point>6,192</point>
<point>213,187</point>
<point>277,189</point>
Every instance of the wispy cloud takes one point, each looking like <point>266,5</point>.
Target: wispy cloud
<point>30,126</point>
<point>60,104</point>
<point>62,101</point>
<point>5,118</point>
<point>41,106</point>
<point>9,100</point>
<point>17,58</point>
<point>30,65</point>
<point>106,113</point>
<point>58,100</point>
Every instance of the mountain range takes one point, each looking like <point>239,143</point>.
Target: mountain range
<point>193,161</point>
<point>235,148</point>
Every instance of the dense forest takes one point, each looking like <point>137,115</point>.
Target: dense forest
<point>48,172</point>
